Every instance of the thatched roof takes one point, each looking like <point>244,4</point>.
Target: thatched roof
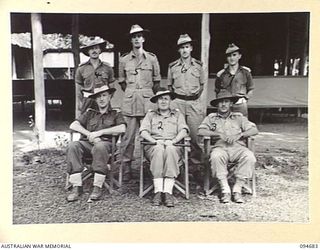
<point>52,41</point>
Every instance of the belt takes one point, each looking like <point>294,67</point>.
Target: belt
<point>187,97</point>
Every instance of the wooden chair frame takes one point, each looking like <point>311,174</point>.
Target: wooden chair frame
<point>250,185</point>
<point>181,187</point>
<point>87,173</point>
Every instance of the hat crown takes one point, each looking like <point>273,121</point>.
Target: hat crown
<point>184,38</point>
<point>162,90</point>
<point>224,94</point>
<point>136,28</point>
<point>99,88</point>
<point>94,41</point>
<point>232,48</point>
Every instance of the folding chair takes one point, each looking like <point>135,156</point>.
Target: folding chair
<point>87,172</point>
<point>181,187</point>
<point>250,185</point>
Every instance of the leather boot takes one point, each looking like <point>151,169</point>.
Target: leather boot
<point>96,193</point>
<point>74,194</point>
<point>237,198</point>
<point>225,197</point>
<point>157,199</point>
<point>169,201</point>
<point>126,172</point>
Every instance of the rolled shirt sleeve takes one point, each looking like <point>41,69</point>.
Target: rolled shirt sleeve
<point>78,77</point>
<point>250,83</point>
<point>169,78</point>
<point>119,119</point>
<point>146,123</point>
<point>83,119</point>
<point>182,123</point>
<point>246,124</point>
<point>205,124</point>
<point>202,76</point>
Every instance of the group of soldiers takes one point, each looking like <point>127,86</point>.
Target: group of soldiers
<point>163,116</point>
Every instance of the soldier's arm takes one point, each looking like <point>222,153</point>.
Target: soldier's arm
<point>122,76</point>
<point>250,85</point>
<point>112,130</point>
<point>156,86</point>
<point>156,77</point>
<point>145,128</point>
<point>169,79</point>
<point>76,126</point>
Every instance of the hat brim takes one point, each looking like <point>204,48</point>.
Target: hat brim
<point>110,91</point>
<point>191,42</point>
<point>141,31</point>
<point>233,99</point>
<point>155,98</point>
<point>237,50</point>
<point>85,49</point>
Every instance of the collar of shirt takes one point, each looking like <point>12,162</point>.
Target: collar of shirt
<point>89,62</point>
<point>133,55</point>
<point>192,61</point>
<point>172,112</point>
<point>109,109</point>
<point>230,116</point>
<point>228,71</point>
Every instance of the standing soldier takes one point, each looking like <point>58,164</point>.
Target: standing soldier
<point>92,73</point>
<point>186,80</point>
<point>139,77</point>
<point>236,79</point>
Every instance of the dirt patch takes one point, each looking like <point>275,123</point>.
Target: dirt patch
<point>282,189</point>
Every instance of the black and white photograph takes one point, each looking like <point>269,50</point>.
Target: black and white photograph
<point>160,117</point>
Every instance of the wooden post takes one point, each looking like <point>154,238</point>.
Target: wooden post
<point>205,47</point>
<point>39,88</point>
<point>287,56</point>
<point>76,58</point>
<point>304,54</point>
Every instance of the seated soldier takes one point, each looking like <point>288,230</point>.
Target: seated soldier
<point>96,128</point>
<point>229,129</point>
<point>165,127</point>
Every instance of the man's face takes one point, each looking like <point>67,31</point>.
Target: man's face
<point>164,102</point>
<point>224,106</point>
<point>137,40</point>
<point>103,99</point>
<point>233,58</point>
<point>185,50</point>
<point>94,51</point>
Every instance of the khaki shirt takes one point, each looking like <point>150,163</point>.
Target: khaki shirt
<point>163,127</point>
<point>234,124</point>
<point>93,120</point>
<point>88,77</point>
<point>240,83</point>
<point>139,76</point>
<point>186,80</point>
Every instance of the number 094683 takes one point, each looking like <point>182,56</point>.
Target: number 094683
<point>309,246</point>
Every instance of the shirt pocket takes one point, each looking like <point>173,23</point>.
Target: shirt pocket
<point>177,78</point>
<point>146,73</point>
<point>171,127</point>
<point>195,79</point>
<point>235,128</point>
<point>130,74</point>
<point>92,125</point>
